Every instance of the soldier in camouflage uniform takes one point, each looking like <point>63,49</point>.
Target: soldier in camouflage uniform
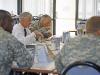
<point>10,48</point>
<point>43,25</point>
<point>86,47</point>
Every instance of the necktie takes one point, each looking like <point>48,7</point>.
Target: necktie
<point>25,33</point>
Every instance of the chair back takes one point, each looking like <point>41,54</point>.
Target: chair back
<point>81,68</point>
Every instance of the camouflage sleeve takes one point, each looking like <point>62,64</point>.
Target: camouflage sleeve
<point>22,56</point>
<point>30,28</point>
<point>34,26</point>
<point>58,61</point>
<point>37,26</point>
<point>42,30</point>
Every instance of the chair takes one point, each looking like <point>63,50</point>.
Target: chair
<point>81,68</point>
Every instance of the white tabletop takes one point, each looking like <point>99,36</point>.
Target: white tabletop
<point>43,66</point>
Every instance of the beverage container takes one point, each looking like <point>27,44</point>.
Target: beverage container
<point>55,43</point>
<point>80,32</point>
<point>65,36</point>
<point>33,50</point>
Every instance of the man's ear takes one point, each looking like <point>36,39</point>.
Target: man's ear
<point>22,19</point>
<point>2,22</point>
<point>99,32</point>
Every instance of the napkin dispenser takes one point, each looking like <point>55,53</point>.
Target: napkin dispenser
<point>55,43</point>
<point>33,50</point>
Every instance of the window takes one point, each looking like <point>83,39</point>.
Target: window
<point>88,8</point>
<point>9,5</point>
<point>37,7</point>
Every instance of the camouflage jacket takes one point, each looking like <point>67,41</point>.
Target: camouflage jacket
<point>37,26</point>
<point>12,50</point>
<point>86,47</point>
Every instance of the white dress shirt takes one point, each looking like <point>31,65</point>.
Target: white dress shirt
<point>18,32</point>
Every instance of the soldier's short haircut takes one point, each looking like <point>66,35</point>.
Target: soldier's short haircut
<point>93,24</point>
<point>45,16</point>
<point>4,14</point>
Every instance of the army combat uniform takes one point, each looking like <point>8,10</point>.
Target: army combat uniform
<point>37,26</point>
<point>86,47</point>
<point>12,50</point>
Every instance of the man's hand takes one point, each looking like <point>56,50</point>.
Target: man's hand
<point>48,34</point>
<point>38,34</point>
